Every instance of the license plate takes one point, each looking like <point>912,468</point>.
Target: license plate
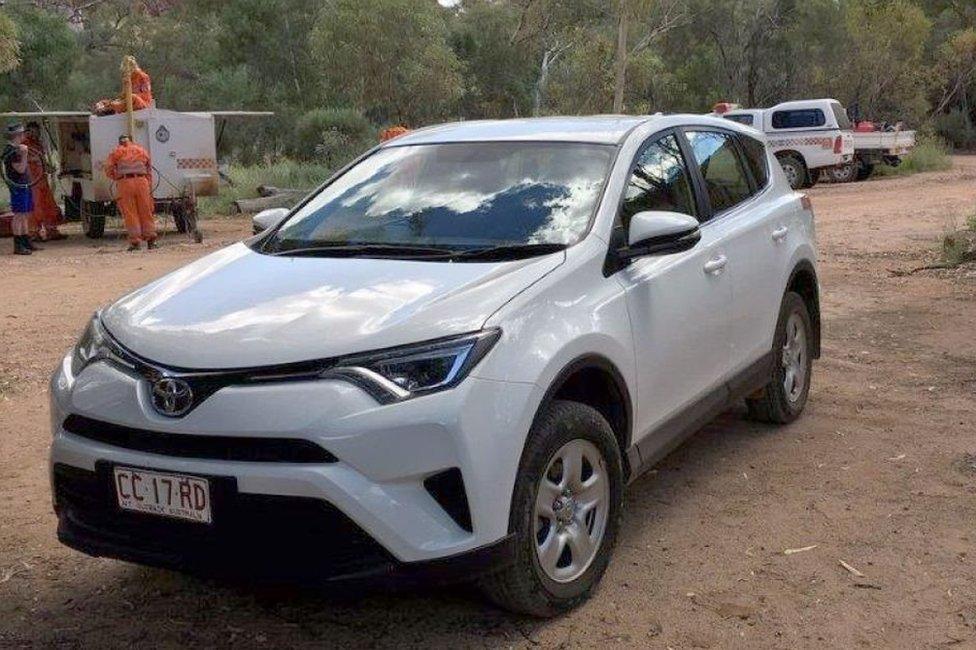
<point>167,495</point>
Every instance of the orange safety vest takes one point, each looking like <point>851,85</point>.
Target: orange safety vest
<point>128,159</point>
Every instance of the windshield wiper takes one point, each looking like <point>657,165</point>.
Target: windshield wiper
<point>351,250</point>
<point>507,251</point>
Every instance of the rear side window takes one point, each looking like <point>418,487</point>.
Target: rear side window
<point>660,181</point>
<point>721,167</point>
<point>843,122</point>
<point>799,119</point>
<point>755,154</point>
<point>742,118</point>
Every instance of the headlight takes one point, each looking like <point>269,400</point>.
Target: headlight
<point>400,373</point>
<point>93,345</point>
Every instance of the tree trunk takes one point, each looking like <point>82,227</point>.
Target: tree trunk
<point>538,93</point>
<point>620,59</point>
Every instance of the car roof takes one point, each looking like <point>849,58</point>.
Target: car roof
<point>598,129</point>
<point>803,103</point>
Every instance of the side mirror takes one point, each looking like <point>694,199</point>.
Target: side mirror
<point>660,233</point>
<point>268,219</point>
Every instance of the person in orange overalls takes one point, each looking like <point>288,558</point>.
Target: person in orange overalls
<point>142,96</point>
<point>47,213</point>
<point>131,169</point>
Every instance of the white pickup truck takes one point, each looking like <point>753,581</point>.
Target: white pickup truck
<point>814,136</point>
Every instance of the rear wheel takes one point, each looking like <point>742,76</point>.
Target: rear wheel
<point>844,173</point>
<point>783,398</point>
<point>795,170</point>
<point>565,513</point>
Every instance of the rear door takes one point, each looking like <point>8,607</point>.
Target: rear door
<point>679,304</point>
<point>754,227</point>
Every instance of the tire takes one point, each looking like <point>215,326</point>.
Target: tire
<point>844,174</point>
<point>72,208</point>
<point>778,404</point>
<point>813,175</point>
<point>92,220</point>
<point>864,171</point>
<point>180,219</point>
<point>795,170</point>
<point>570,430</point>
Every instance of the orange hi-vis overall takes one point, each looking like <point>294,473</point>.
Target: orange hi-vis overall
<point>142,96</point>
<point>129,166</point>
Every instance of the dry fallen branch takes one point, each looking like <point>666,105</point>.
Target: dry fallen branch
<point>928,267</point>
<point>851,569</point>
<point>792,551</point>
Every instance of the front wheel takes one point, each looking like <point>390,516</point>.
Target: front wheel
<point>565,513</point>
<point>783,398</point>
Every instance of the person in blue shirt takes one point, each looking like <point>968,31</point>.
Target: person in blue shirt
<point>16,174</point>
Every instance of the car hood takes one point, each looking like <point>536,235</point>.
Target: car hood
<point>237,308</point>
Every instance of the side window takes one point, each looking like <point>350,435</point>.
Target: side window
<point>741,118</point>
<point>659,181</point>
<point>755,152</point>
<point>725,178</point>
<point>799,119</point>
<point>843,122</point>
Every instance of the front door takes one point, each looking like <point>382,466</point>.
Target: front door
<point>679,304</point>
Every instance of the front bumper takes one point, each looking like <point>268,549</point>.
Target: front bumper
<point>379,460</point>
<point>266,538</point>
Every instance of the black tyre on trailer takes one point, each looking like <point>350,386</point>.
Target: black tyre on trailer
<point>93,215</point>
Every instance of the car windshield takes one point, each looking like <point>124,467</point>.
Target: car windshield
<point>455,197</point>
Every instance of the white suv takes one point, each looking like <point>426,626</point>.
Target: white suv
<point>446,362</point>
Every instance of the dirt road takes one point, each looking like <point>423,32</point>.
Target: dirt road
<point>876,474</point>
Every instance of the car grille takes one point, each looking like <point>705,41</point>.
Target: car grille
<point>252,535</point>
<point>186,445</point>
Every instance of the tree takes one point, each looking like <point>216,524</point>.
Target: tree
<point>885,72</point>
<point>48,53</point>
<point>388,58</point>
<point>9,47</point>
<point>498,74</point>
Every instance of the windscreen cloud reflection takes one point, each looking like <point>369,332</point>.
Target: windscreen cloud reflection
<point>457,196</point>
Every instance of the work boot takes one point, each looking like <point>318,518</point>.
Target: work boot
<point>19,248</point>
<point>151,244</point>
<point>134,246</point>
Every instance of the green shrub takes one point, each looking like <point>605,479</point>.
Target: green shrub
<point>283,173</point>
<point>956,128</point>
<point>930,154</point>
<point>332,136</point>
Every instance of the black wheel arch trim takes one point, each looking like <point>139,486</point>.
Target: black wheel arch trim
<point>601,363</point>
<point>806,266</point>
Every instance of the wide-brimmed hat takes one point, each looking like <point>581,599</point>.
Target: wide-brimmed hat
<point>14,129</point>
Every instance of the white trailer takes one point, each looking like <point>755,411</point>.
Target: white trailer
<point>182,146</point>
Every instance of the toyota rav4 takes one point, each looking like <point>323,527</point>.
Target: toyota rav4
<point>446,362</point>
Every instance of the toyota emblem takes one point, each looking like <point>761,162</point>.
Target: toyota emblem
<point>171,397</point>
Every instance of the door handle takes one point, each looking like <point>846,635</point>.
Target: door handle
<point>780,233</point>
<point>716,264</point>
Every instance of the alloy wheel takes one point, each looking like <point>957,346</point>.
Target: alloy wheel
<point>794,358</point>
<point>571,508</point>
